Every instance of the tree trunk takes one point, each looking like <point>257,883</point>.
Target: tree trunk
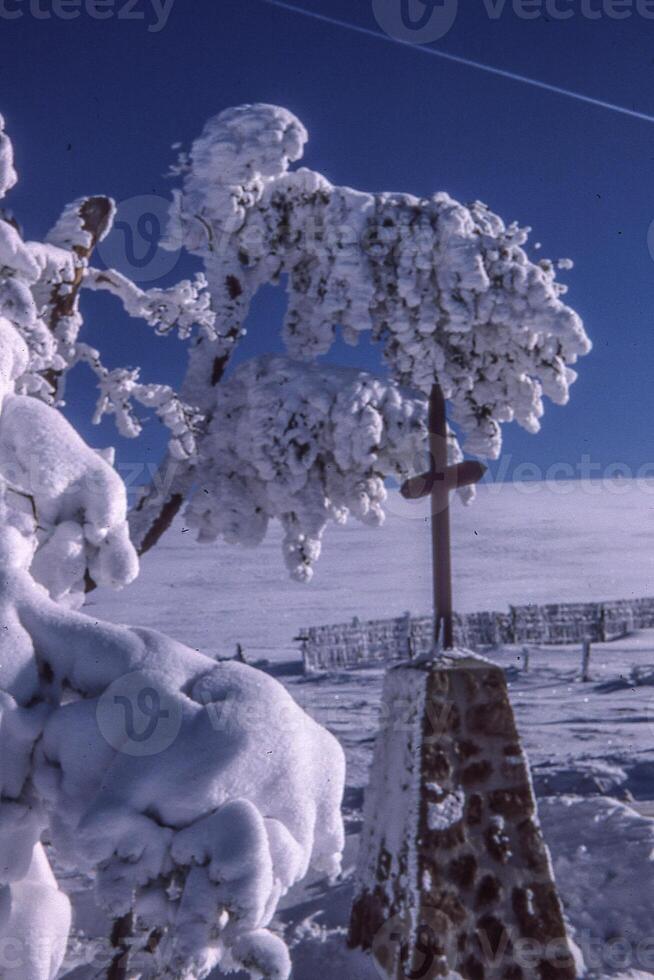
<point>120,935</point>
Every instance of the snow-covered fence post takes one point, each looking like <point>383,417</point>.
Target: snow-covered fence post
<point>453,872</point>
<point>585,660</point>
<point>409,636</point>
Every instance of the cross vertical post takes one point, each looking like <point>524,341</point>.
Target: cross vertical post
<point>440,522</point>
<point>437,483</point>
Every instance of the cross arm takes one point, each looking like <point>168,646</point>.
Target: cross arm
<point>461,475</point>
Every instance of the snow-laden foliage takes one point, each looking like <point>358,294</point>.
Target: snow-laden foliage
<point>39,294</point>
<point>306,444</point>
<point>8,176</point>
<point>66,497</point>
<point>448,292</point>
<point>447,289</point>
<point>199,824</point>
<point>205,835</point>
<point>71,495</point>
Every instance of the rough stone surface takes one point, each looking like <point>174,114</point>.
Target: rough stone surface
<point>454,877</point>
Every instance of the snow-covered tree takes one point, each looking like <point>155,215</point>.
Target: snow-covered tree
<point>198,822</point>
<point>447,291</point>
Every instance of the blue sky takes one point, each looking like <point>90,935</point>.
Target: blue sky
<point>94,106</point>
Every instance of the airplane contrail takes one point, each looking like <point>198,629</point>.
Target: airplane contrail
<point>459,60</point>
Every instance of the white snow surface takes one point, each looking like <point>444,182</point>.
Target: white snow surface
<point>543,542</point>
<point>591,885</point>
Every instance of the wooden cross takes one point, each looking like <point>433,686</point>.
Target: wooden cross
<point>438,483</point>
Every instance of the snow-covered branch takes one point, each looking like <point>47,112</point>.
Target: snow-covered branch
<point>206,866</point>
<point>448,290</point>
<point>120,387</point>
<point>181,308</point>
<point>8,175</point>
<point>305,444</point>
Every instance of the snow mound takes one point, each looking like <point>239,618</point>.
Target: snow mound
<point>591,778</point>
<point>202,787</point>
<point>34,923</point>
<point>603,856</point>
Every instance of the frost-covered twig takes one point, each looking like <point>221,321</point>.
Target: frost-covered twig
<point>181,308</point>
<point>120,387</point>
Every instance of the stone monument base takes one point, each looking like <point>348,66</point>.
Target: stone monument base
<point>454,877</point>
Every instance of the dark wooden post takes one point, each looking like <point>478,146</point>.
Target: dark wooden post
<point>585,660</point>
<point>120,935</point>
<point>438,483</point>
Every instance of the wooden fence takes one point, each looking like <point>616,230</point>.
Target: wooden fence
<point>356,644</point>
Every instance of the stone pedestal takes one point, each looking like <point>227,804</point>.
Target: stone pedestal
<point>454,878</point>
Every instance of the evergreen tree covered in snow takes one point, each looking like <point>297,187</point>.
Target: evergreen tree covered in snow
<point>447,291</point>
